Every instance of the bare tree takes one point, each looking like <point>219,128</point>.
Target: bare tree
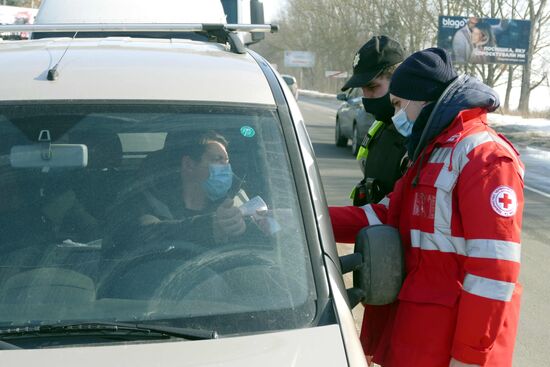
<point>331,29</point>
<point>539,19</point>
<point>335,30</point>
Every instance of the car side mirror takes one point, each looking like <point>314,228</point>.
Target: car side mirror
<point>342,96</point>
<point>378,266</point>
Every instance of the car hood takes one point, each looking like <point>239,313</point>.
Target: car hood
<point>318,346</point>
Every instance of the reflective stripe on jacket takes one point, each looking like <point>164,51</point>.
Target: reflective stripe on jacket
<point>460,226</point>
<point>364,148</point>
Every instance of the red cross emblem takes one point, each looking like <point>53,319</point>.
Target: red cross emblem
<point>504,201</point>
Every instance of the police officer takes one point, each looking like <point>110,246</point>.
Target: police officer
<point>382,155</point>
<point>382,152</point>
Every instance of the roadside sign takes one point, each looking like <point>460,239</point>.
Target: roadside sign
<point>299,59</point>
<point>336,74</point>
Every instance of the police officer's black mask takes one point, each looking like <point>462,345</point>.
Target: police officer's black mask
<point>381,108</point>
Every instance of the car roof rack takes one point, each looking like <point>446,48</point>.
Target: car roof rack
<point>221,33</point>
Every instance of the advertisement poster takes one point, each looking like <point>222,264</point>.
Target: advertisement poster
<point>484,40</point>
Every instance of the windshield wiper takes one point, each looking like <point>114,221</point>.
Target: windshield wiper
<point>110,328</point>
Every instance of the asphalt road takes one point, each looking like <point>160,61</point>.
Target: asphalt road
<point>340,173</point>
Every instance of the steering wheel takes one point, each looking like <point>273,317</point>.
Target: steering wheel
<point>193,274</point>
<point>172,273</point>
<point>137,274</point>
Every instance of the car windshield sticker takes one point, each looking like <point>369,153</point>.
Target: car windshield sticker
<point>504,201</point>
<point>247,132</point>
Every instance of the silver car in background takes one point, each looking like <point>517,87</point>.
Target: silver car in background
<point>352,121</point>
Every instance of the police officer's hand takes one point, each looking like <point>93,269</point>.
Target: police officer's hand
<point>455,363</point>
<point>228,221</point>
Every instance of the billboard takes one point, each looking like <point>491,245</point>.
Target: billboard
<point>484,40</point>
<point>299,59</point>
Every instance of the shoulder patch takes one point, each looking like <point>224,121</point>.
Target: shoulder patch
<point>504,201</point>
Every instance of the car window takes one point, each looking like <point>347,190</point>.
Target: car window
<point>110,234</point>
<point>356,93</point>
<point>288,79</point>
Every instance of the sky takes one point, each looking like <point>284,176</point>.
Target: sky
<point>271,8</point>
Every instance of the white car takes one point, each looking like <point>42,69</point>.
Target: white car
<point>105,258</point>
<point>292,84</point>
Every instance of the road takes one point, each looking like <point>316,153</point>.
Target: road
<point>340,173</point>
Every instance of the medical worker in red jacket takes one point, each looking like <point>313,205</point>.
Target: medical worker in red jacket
<point>459,211</point>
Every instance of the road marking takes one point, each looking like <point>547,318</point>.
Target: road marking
<point>537,191</point>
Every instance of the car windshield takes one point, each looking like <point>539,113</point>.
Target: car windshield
<point>125,212</point>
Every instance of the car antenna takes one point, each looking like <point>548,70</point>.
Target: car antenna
<point>52,73</point>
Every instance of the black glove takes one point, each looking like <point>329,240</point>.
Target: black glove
<point>367,191</point>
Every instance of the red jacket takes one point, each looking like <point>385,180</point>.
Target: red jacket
<point>460,227</point>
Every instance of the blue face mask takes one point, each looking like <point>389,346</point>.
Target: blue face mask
<point>219,181</point>
<point>402,123</point>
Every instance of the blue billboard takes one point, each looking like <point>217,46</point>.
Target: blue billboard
<point>473,40</point>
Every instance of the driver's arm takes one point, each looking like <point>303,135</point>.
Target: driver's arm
<point>226,221</point>
<point>195,228</point>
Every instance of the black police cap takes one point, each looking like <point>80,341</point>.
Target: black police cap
<point>377,54</point>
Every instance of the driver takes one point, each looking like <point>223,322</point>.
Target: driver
<point>197,205</point>
<point>186,194</point>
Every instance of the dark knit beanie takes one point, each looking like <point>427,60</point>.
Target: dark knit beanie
<point>423,76</point>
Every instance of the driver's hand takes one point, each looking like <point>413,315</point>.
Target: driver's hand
<point>228,221</point>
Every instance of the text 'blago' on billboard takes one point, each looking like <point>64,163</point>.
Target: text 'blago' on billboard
<point>484,40</point>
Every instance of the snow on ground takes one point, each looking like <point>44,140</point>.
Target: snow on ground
<point>526,132</point>
<point>507,120</point>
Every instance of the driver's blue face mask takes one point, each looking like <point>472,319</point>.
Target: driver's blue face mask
<point>219,181</point>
